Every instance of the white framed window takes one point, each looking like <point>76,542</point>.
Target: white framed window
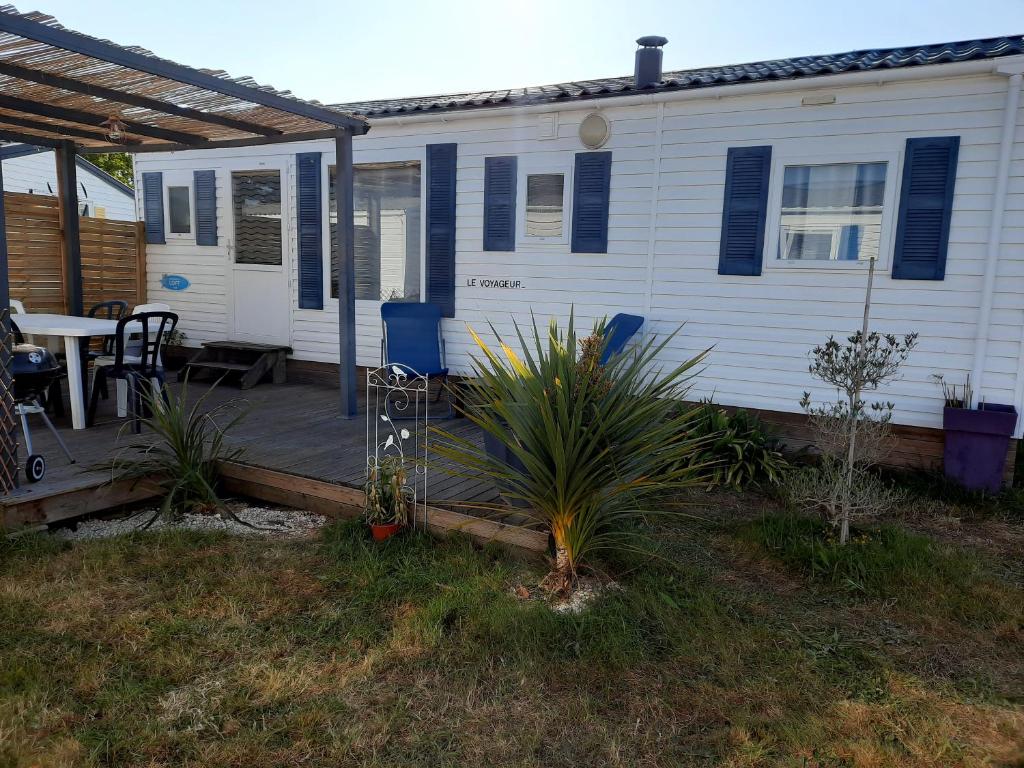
<point>179,206</point>
<point>832,212</point>
<point>543,203</point>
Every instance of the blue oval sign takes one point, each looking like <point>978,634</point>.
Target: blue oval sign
<point>174,282</point>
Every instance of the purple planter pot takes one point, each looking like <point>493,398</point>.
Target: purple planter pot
<point>976,444</point>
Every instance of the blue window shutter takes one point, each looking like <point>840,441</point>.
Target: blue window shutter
<point>591,183</point>
<point>744,210</point>
<point>310,230</point>
<point>926,203</point>
<point>499,203</point>
<point>441,164</point>
<point>153,206</point>
<point>206,207</point>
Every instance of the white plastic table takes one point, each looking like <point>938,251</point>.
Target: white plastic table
<point>73,329</point>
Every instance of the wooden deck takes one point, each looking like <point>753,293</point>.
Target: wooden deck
<point>289,428</point>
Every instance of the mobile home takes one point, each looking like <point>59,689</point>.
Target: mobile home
<point>33,170</point>
<point>741,202</point>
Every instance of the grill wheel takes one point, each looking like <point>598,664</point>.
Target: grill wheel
<point>35,468</point>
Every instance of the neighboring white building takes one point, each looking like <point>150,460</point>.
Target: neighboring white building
<point>912,155</point>
<point>34,170</point>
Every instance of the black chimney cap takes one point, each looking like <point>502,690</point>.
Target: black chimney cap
<point>652,41</point>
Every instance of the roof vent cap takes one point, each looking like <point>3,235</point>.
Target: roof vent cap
<point>647,71</point>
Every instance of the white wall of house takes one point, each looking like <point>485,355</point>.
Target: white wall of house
<point>37,174</point>
<point>668,174</point>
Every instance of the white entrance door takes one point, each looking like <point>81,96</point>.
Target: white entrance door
<point>259,264</point>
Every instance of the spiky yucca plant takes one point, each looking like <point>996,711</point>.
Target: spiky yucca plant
<point>598,451</point>
<point>184,459</point>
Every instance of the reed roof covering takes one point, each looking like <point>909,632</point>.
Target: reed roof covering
<point>57,85</point>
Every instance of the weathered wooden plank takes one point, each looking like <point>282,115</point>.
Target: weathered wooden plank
<point>338,500</point>
<point>29,509</point>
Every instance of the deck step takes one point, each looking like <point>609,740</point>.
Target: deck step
<point>219,365</point>
<point>252,362</point>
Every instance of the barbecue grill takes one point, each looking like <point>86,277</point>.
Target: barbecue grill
<point>34,369</point>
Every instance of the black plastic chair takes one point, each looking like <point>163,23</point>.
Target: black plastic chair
<point>17,336</point>
<point>107,310</point>
<point>140,367</point>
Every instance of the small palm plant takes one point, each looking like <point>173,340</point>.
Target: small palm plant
<point>185,457</point>
<point>598,449</point>
<point>387,493</point>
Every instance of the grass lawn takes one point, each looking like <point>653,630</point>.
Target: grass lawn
<point>759,646</point>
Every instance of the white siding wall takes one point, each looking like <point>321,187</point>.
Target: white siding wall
<point>553,279</point>
<point>665,267</point>
<point>205,307</point>
<point>763,326</point>
<point>32,173</point>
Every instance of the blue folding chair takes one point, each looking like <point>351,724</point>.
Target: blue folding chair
<point>412,342</point>
<point>618,332</point>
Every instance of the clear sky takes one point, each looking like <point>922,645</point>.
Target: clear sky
<point>339,50</point>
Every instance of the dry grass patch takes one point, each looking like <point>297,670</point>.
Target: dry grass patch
<point>196,649</point>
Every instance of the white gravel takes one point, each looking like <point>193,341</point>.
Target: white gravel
<point>587,592</point>
<point>262,521</point>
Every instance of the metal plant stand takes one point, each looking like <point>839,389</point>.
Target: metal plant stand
<point>396,426</point>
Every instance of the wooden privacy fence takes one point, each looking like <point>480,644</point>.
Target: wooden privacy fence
<point>113,256</point>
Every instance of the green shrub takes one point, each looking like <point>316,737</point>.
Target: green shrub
<point>739,450</point>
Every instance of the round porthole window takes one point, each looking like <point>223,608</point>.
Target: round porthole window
<point>594,131</point>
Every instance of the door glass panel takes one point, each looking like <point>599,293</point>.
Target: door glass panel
<point>256,201</point>
<point>387,231</point>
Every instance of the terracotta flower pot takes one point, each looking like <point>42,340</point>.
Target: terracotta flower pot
<point>385,531</point>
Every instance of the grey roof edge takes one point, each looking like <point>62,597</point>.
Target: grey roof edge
<point>11,151</point>
<point>797,68</point>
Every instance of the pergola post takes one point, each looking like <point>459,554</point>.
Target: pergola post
<point>67,187</point>
<point>346,275</point>
<point>8,442</point>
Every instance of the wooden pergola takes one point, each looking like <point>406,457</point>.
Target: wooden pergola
<point>77,94</point>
